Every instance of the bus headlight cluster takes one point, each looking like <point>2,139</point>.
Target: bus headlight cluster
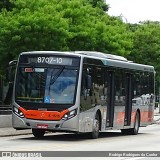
<point>70,114</point>
<point>18,112</point>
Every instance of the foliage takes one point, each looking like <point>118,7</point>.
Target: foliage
<point>6,4</point>
<point>100,4</point>
<point>74,25</point>
<point>60,25</point>
<point>146,46</point>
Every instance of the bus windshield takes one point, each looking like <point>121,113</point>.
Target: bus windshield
<point>46,85</point>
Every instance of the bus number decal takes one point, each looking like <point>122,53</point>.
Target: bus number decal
<point>49,60</point>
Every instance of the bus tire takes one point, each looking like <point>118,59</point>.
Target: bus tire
<point>134,131</point>
<point>38,133</point>
<point>96,127</point>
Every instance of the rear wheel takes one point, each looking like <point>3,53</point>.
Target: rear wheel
<point>38,133</point>
<point>133,131</point>
<point>96,127</point>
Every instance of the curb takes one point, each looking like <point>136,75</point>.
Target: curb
<point>7,121</point>
<point>13,132</point>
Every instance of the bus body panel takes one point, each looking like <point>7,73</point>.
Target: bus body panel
<point>113,110</point>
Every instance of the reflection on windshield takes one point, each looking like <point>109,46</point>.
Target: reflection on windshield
<point>60,86</point>
<point>42,85</point>
<point>30,84</point>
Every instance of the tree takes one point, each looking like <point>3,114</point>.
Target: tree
<point>60,25</point>
<point>146,46</point>
<point>100,4</point>
<point>6,4</point>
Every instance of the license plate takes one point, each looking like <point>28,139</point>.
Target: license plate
<point>42,126</point>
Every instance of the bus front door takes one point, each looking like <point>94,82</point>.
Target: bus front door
<point>110,99</point>
<point>128,103</point>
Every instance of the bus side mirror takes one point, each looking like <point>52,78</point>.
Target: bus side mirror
<point>10,71</point>
<point>10,78</point>
<point>13,63</point>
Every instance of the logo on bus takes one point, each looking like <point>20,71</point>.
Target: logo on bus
<point>42,115</point>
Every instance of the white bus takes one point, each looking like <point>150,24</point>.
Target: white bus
<point>81,92</point>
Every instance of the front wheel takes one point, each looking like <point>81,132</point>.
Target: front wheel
<point>38,133</point>
<point>96,127</point>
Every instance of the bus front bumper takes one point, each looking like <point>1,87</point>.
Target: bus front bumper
<point>62,125</point>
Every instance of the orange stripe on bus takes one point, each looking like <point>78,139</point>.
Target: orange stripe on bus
<point>43,115</point>
<point>146,116</point>
<point>120,118</point>
<point>133,114</point>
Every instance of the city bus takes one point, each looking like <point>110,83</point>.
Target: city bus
<point>81,92</point>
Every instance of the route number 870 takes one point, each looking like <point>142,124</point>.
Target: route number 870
<point>49,60</point>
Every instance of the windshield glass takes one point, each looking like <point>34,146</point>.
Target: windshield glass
<point>46,85</point>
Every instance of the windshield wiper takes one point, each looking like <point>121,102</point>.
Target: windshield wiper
<point>54,78</point>
<point>52,81</point>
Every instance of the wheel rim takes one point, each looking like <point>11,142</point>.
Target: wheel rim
<point>96,125</point>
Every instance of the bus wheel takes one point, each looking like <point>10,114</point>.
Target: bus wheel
<point>135,130</point>
<point>38,133</point>
<point>96,126</point>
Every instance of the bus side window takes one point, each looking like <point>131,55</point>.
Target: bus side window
<point>86,88</point>
<point>100,88</point>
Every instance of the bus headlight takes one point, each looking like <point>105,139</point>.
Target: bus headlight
<point>70,114</point>
<point>18,112</point>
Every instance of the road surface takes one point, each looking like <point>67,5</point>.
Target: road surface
<point>148,139</point>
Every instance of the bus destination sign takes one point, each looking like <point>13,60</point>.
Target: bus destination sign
<point>53,60</point>
<point>49,60</point>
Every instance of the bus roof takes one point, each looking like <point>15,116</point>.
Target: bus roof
<point>87,53</point>
<point>107,59</point>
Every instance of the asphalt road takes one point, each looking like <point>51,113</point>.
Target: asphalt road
<point>148,139</point>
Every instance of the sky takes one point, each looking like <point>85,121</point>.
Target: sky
<point>134,11</point>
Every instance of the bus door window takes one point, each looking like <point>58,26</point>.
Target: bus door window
<point>119,97</point>
<point>100,88</point>
<point>105,90</point>
<point>128,97</point>
<point>119,89</point>
<point>87,89</point>
<point>110,78</point>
